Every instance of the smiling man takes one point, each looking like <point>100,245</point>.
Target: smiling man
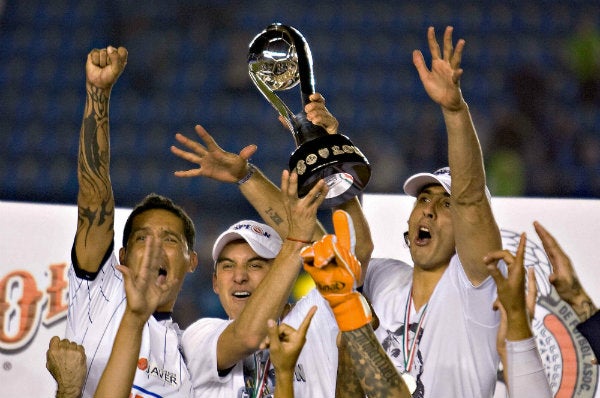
<point>97,299</point>
<point>254,273</point>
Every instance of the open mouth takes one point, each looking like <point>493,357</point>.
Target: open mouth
<point>162,271</point>
<point>424,233</point>
<point>241,295</point>
<point>423,236</point>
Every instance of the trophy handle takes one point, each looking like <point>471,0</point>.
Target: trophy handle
<point>278,104</point>
<point>305,65</point>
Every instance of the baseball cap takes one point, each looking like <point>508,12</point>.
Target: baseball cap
<point>264,240</point>
<point>415,184</point>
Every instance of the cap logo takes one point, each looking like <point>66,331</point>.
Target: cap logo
<point>442,171</point>
<point>253,228</point>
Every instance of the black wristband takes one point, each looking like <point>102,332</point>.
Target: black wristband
<point>251,170</point>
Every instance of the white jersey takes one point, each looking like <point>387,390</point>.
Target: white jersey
<point>456,355</point>
<point>95,311</point>
<point>315,370</point>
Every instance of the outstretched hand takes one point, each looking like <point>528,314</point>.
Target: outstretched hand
<point>212,160</point>
<point>148,288</point>
<point>104,66</point>
<point>442,82</point>
<point>563,275</point>
<point>301,212</point>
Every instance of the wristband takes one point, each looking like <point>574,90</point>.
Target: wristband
<point>308,242</point>
<point>251,170</point>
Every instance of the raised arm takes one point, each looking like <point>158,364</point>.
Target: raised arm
<point>523,368</point>
<point>335,269</point>
<point>95,201</point>
<point>285,343</point>
<point>260,192</point>
<point>244,335</point>
<point>564,278</point>
<point>144,291</point>
<point>475,228</point>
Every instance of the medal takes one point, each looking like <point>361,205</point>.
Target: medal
<point>409,350</point>
<point>410,381</point>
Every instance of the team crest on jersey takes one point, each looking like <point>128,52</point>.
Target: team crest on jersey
<point>565,353</point>
<point>153,370</point>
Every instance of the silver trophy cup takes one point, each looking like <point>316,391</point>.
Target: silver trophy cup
<point>278,59</point>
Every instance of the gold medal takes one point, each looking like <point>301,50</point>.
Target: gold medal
<point>410,381</point>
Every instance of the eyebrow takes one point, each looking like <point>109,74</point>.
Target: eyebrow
<point>428,191</point>
<point>164,231</point>
<point>255,258</point>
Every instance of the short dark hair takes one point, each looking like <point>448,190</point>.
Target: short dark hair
<point>155,201</point>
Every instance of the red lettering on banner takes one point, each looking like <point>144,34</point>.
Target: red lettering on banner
<point>20,305</point>
<point>56,306</point>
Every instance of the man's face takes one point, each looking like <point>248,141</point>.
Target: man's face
<point>430,229</point>
<point>178,260</point>
<point>238,272</point>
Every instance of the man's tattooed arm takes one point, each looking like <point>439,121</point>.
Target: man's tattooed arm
<point>95,224</point>
<point>347,383</point>
<point>373,368</point>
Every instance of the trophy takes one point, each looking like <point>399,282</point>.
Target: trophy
<point>278,59</point>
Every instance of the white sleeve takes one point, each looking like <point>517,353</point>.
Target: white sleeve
<point>525,371</point>
<point>199,345</point>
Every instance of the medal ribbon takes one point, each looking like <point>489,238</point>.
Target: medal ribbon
<point>409,353</point>
<point>260,381</point>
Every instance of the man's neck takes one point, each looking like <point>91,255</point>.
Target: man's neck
<point>424,283</point>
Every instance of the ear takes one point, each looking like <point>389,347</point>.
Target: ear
<point>122,255</point>
<point>193,261</point>
<point>214,282</point>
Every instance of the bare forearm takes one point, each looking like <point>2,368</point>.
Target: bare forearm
<point>472,213</point>
<point>518,326</point>
<point>583,305</point>
<point>68,392</point>
<point>347,383</point>
<point>95,197</point>
<point>265,197</point>
<point>117,378</point>
<point>374,369</point>
<point>464,151</point>
<point>284,388</point>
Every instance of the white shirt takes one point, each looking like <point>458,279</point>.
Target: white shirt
<point>315,370</point>
<point>456,355</point>
<point>95,311</point>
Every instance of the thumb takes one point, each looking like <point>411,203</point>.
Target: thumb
<point>247,152</point>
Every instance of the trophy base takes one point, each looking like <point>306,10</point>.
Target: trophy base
<point>336,160</point>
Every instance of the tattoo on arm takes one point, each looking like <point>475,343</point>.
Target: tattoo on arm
<point>276,218</point>
<point>585,310</point>
<point>347,384</point>
<point>373,367</point>
<point>95,191</point>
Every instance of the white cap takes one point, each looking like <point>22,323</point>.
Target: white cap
<point>261,238</point>
<point>415,184</point>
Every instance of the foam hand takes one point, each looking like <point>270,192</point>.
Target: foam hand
<point>335,269</point>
